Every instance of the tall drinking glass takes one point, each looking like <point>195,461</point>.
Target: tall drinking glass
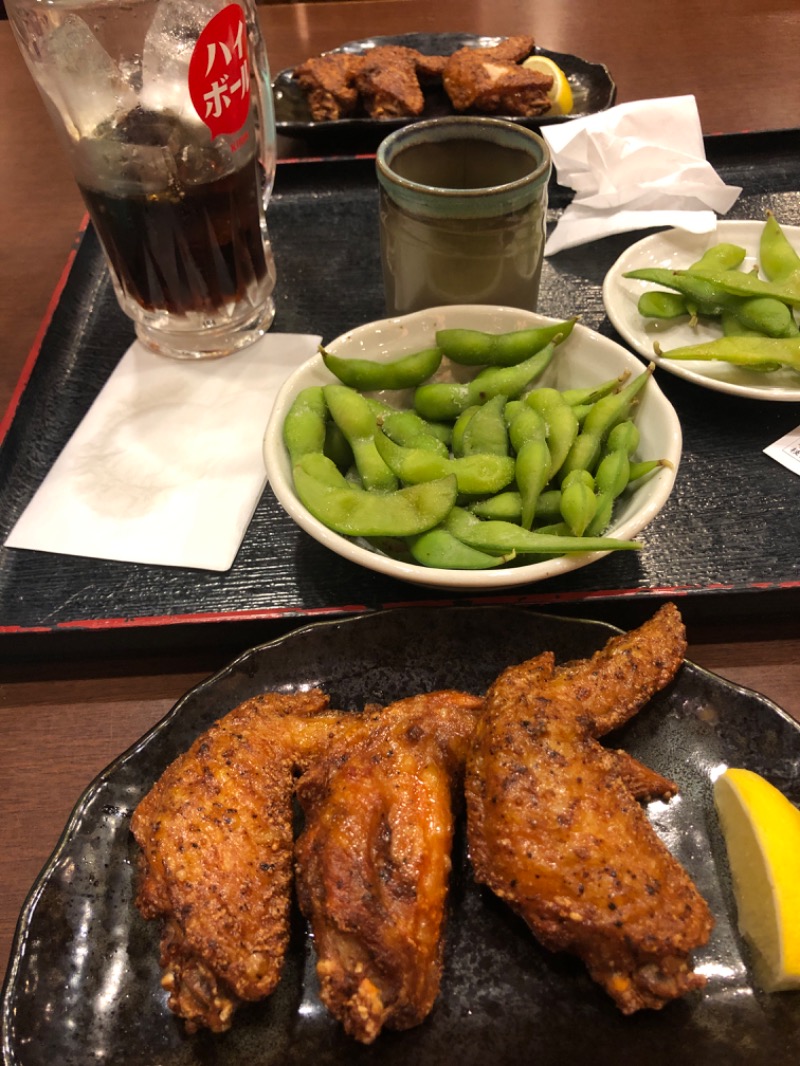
<point>165,109</point>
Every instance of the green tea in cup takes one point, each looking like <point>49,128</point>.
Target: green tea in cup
<point>463,205</point>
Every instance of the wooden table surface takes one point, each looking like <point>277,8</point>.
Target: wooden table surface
<point>61,722</point>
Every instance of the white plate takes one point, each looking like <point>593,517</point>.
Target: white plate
<point>585,359</point>
<point>676,249</point>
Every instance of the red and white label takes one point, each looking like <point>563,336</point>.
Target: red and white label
<point>219,72</point>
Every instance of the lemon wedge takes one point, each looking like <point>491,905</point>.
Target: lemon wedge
<point>762,836</point>
<point>561,93</point>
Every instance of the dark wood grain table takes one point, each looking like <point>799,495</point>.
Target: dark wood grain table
<point>63,720</point>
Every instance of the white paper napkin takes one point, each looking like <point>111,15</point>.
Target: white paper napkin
<point>166,467</point>
<point>635,166</point>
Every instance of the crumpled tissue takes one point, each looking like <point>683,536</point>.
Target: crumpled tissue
<point>166,466</point>
<point>635,166</point>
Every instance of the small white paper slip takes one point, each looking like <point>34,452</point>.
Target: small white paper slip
<point>166,467</point>
<point>635,166</point>
<point>786,450</point>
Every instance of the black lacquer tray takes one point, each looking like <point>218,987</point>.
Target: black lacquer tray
<point>729,532</point>
<point>83,986</point>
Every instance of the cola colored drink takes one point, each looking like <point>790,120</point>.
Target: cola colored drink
<point>165,109</point>
<point>192,248</point>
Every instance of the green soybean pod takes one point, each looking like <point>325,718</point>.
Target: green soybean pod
<point>476,475</point>
<point>355,417</point>
<point>578,501</point>
<point>442,401</point>
<point>603,416</point>
<point>721,256</point>
<point>740,283</point>
<point>579,397</point>
<point>755,353</point>
<point>532,472</point>
<point>408,429</point>
<point>368,375</point>
<point>666,305</point>
<point>486,432</point>
<point>472,347</point>
<point>561,423</point>
<point>336,446</point>
<point>623,437</point>
<point>499,538</point>
<point>602,515</point>
<point>439,548</point>
<point>304,424</point>
<point>507,506</point>
<point>459,428</point>
<point>613,473</point>
<point>776,254</point>
<point>768,316</point>
<point>356,512</point>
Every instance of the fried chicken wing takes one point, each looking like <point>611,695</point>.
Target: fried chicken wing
<point>373,860</point>
<point>329,84</point>
<point>491,80</point>
<point>555,832</point>
<point>388,82</point>
<point>215,834</point>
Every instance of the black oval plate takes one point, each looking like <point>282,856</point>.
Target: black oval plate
<point>83,986</point>
<point>592,87</point>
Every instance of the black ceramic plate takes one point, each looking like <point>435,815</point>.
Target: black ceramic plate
<point>83,986</point>
<point>592,87</point>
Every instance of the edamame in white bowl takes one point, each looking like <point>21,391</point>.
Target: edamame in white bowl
<point>585,359</point>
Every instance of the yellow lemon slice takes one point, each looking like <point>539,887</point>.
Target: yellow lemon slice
<point>762,836</point>
<point>561,93</point>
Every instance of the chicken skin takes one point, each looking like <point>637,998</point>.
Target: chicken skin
<point>554,830</point>
<point>374,858</point>
<point>215,834</point>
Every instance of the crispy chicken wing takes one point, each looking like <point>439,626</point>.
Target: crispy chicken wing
<point>388,82</point>
<point>554,830</point>
<point>216,838</point>
<point>329,84</point>
<point>373,860</point>
<point>491,79</point>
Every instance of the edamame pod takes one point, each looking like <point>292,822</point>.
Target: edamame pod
<point>777,256</point>
<point>756,353</point>
<point>408,429</point>
<point>578,501</point>
<point>336,446</point>
<point>739,283</point>
<point>472,347</point>
<point>460,428</point>
<point>721,256</point>
<point>437,547</point>
<point>486,432</point>
<point>368,375</point>
<point>502,537</point>
<point>603,416</point>
<point>561,423</point>
<point>441,401</point>
<point>507,506</point>
<point>355,512</point>
<point>476,475</point>
<point>593,393</point>
<point>355,418</point>
<point>657,304</point>
<point>304,424</point>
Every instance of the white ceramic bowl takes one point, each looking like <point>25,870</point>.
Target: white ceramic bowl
<point>584,359</point>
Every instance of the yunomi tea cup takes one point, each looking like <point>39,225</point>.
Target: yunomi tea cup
<point>463,204</point>
<point>165,109</point>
